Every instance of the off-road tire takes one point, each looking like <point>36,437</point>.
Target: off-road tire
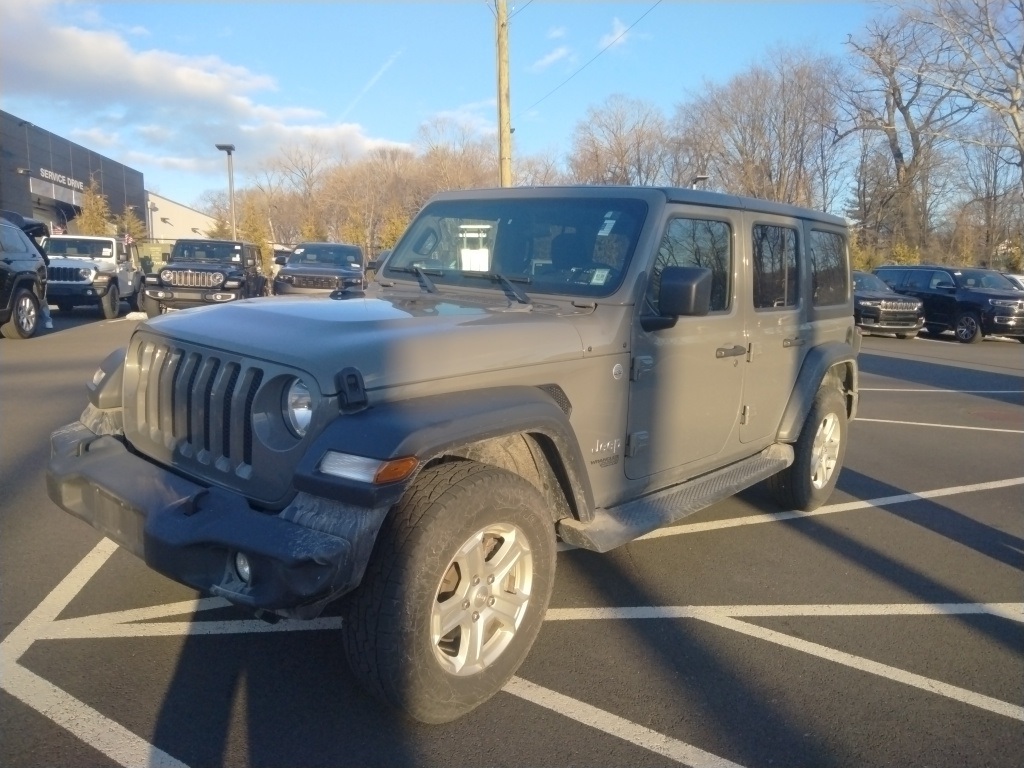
<point>110,304</point>
<point>967,328</point>
<point>819,451</point>
<point>24,320</point>
<point>414,586</point>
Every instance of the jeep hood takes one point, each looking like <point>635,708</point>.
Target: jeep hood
<point>392,341</point>
<point>100,265</point>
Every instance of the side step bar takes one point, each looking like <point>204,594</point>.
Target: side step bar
<point>619,525</point>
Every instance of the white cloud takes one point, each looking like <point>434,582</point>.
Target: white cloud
<point>556,33</point>
<point>560,53</point>
<point>616,37</point>
<point>152,108</point>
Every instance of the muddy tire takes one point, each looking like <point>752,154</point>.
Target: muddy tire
<point>819,453</point>
<point>455,591</point>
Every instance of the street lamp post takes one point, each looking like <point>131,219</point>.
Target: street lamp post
<point>230,148</point>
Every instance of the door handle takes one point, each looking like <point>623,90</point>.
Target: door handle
<point>797,342</point>
<point>730,351</point>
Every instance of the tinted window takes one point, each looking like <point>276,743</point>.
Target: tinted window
<point>12,243</point>
<point>828,268</point>
<point>775,273</point>
<point>925,279</point>
<point>890,276</point>
<point>696,243</point>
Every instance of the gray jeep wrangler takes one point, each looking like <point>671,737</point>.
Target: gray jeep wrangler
<point>585,364</point>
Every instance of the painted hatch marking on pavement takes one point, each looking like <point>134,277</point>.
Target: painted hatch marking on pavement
<point>130,750</point>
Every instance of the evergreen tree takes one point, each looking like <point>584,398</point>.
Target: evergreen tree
<point>95,217</point>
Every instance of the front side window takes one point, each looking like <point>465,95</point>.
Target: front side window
<point>775,270</point>
<point>568,246</point>
<point>696,243</point>
<point>829,273</point>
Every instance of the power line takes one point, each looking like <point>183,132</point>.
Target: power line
<point>610,44</point>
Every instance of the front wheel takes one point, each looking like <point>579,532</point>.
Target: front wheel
<point>819,453</point>
<point>24,316</point>
<point>454,593</point>
<point>967,328</point>
<point>110,305</point>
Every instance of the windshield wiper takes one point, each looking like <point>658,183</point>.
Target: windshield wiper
<point>422,273</point>
<point>508,283</point>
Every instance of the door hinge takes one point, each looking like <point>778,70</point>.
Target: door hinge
<point>640,365</point>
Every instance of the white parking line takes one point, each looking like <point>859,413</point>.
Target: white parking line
<point>945,391</point>
<point>940,426</point>
<point>128,749</point>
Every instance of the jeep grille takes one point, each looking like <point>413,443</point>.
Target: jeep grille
<point>896,305</point>
<point>187,278</point>
<point>194,404</point>
<point>313,281</point>
<point>65,274</point>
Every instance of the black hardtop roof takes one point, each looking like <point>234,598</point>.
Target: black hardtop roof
<point>651,194</point>
<point>205,240</point>
<point>31,227</point>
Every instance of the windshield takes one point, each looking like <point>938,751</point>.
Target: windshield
<point>862,281</point>
<point>982,278</point>
<point>81,248</point>
<point>327,255</point>
<point>569,246</point>
<point>207,250</point>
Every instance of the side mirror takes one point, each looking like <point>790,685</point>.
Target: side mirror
<point>685,292</point>
<point>250,262</point>
<point>280,260</point>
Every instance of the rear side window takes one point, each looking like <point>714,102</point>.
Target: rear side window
<point>696,243</point>
<point>775,272</point>
<point>829,275</point>
<point>890,277</point>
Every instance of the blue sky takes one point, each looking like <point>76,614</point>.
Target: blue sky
<point>155,85</point>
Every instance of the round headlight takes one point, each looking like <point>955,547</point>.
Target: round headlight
<point>85,273</point>
<point>218,278</point>
<point>298,407</point>
<point>165,275</point>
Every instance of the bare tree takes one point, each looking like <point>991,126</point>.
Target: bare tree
<point>900,97</point>
<point>769,132</point>
<point>984,43</point>
<point>623,141</point>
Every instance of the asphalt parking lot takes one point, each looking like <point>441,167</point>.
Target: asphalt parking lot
<point>884,629</point>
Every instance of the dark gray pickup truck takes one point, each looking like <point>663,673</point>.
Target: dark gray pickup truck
<point>583,364</point>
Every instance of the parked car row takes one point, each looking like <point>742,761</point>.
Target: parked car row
<point>973,303</point>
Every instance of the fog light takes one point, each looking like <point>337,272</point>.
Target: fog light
<point>242,567</point>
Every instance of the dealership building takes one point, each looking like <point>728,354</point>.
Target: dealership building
<point>44,176</point>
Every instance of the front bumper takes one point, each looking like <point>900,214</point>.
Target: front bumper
<point>302,557</point>
<point>83,293</point>
<point>1003,325</point>
<point>181,298</point>
<point>888,324</point>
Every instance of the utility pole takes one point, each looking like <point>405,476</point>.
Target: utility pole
<point>504,118</point>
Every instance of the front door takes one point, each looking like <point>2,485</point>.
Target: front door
<point>686,381</point>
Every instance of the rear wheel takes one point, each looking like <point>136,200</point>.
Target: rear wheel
<point>819,453</point>
<point>455,592</point>
<point>110,305</point>
<point>24,316</point>
<point>967,328</point>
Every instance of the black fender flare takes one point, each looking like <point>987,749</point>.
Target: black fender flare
<point>819,361</point>
<point>428,427</point>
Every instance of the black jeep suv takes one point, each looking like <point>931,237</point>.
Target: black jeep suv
<point>319,268</point>
<point>202,272</point>
<point>971,302</point>
<point>877,308</point>
<point>22,275</point>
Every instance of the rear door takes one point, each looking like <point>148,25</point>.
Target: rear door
<point>778,339</point>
